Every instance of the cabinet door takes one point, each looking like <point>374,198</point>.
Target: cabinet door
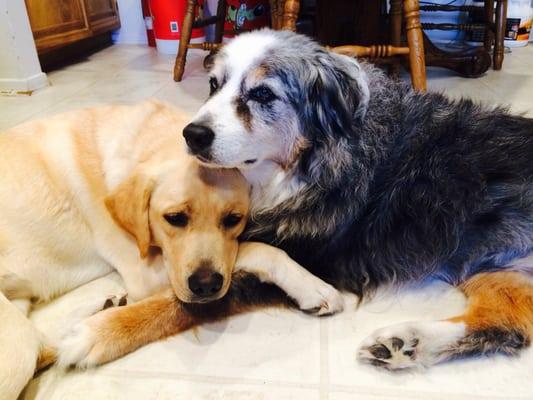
<point>57,22</point>
<point>102,15</point>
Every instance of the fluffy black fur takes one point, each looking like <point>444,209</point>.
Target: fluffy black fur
<point>399,188</point>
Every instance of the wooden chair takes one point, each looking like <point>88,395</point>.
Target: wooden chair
<point>415,49</point>
<point>189,24</point>
<point>186,29</point>
<point>473,61</point>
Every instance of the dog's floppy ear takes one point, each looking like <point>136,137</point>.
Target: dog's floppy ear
<point>337,97</point>
<point>129,204</point>
<point>337,93</point>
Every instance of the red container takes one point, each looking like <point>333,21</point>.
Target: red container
<point>247,15</point>
<point>167,21</point>
<point>149,24</point>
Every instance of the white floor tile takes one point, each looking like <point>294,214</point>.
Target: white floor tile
<point>92,385</point>
<point>275,346</point>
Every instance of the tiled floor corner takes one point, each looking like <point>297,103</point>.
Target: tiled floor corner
<point>269,354</point>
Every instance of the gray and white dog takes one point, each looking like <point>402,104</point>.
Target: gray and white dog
<point>366,183</point>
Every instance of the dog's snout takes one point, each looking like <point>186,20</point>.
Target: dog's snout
<point>198,137</point>
<point>205,282</point>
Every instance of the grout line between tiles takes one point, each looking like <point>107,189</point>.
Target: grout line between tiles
<point>416,394</point>
<point>206,378</point>
<point>324,359</point>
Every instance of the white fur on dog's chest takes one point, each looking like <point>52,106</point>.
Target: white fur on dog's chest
<point>271,186</point>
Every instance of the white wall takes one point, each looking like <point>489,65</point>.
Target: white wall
<point>132,29</point>
<point>20,70</point>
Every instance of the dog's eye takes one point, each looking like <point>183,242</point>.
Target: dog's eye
<point>262,94</point>
<point>179,219</point>
<point>231,220</point>
<point>213,85</point>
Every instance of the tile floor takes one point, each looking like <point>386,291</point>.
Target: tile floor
<point>268,354</point>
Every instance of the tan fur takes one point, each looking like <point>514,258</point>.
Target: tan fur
<point>47,356</point>
<point>81,193</point>
<point>87,192</point>
<point>501,300</point>
<point>129,206</point>
<point>119,331</point>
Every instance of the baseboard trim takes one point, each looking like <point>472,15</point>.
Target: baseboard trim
<point>24,85</point>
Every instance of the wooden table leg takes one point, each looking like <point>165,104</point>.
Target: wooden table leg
<point>395,16</point>
<point>413,28</point>
<point>291,8</point>
<point>185,37</point>
<point>489,20</point>
<point>501,20</point>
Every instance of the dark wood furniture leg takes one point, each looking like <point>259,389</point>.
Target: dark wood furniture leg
<point>395,16</point>
<point>221,15</point>
<point>489,20</point>
<point>219,32</point>
<point>469,63</point>
<point>501,19</point>
<point>291,8</point>
<point>415,40</point>
<point>186,30</point>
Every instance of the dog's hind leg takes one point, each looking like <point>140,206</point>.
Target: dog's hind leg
<point>498,319</point>
<point>20,347</point>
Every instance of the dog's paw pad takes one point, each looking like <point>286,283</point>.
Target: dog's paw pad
<point>123,300</point>
<point>115,301</point>
<point>391,352</point>
<point>411,344</point>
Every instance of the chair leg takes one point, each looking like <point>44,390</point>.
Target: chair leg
<point>221,14</point>
<point>489,21</point>
<point>501,19</point>
<point>291,8</point>
<point>275,14</point>
<point>415,40</point>
<point>395,16</point>
<point>185,38</point>
<point>219,33</point>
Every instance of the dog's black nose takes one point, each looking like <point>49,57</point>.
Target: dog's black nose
<point>198,137</point>
<point>205,282</point>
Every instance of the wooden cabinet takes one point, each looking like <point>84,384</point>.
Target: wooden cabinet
<point>102,14</point>
<point>56,23</point>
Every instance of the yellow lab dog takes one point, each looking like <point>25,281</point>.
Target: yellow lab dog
<point>112,188</point>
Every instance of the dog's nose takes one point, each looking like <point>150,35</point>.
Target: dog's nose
<point>198,137</point>
<point>205,282</point>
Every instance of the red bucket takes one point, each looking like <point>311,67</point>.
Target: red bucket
<point>168,19</point>
<point>247,15</point>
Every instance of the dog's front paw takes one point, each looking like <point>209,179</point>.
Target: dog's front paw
<point>85,344</point>
<point>319,298</point>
